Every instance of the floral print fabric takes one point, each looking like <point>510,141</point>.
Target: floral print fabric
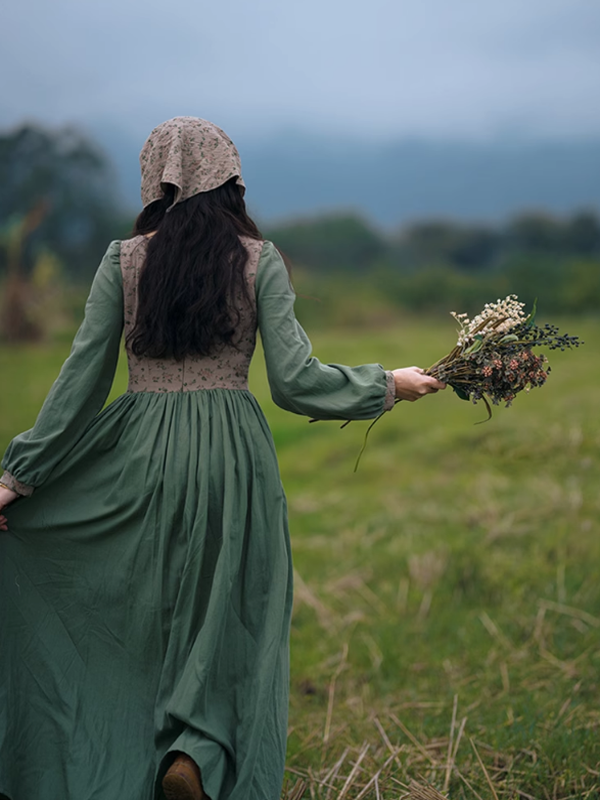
<point>192,154</point>
<point>225,369</point>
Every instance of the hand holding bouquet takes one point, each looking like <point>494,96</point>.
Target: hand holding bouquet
<point>493,359</point>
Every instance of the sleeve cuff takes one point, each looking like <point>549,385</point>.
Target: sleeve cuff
<point>16,486</point>
<point>390,394</point>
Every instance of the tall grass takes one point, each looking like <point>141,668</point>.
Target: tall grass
<point>445,637</point>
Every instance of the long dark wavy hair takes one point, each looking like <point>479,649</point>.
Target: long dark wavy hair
<point>193,279</point>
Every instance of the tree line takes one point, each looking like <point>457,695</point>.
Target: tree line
<point>59,209</point>
<point>434,264</point>
<point>346,241</point>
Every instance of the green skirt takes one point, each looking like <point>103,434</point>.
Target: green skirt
<point>145,593</point>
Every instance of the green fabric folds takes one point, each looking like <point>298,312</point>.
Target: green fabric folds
<point>83,385</point>
<point>298,380</point>
<point>146,585</point>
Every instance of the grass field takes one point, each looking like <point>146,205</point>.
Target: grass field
<point>447,614</point>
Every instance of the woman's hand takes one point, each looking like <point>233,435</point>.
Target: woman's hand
<point>412,383</point>
<point>6,497</point>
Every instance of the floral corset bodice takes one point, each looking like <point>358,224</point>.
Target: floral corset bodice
<point>227,368</point>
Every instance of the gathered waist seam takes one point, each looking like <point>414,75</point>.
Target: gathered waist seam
<point>189,391</point>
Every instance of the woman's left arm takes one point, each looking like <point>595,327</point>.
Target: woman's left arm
<point>80,390</point>
<point>299,382</point>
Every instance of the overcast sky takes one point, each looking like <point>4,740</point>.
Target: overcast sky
<point>377,68</point>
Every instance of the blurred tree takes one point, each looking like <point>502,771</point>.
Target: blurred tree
<point>537,232</point>
<point>69,176</point>
<point>331,242</point>
<point>583,234</point>
<point>469,247</point>
<point>17,323</point>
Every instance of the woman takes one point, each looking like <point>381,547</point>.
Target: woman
<point>145,576</point>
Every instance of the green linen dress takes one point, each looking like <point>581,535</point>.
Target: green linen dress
<point>146,583</point>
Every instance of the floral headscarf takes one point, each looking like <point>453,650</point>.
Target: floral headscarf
<point>191,153</point>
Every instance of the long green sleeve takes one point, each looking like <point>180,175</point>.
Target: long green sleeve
<point>298,381</point>
<point>81,389</point>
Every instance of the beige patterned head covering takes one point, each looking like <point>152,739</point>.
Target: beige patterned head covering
<point>191,153</point>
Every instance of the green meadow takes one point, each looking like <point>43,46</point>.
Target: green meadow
<point>446,630</point>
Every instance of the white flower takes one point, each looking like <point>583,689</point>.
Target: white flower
<point>498,317</point>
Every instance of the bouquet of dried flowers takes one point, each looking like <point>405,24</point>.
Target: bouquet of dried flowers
<point>493,359</point>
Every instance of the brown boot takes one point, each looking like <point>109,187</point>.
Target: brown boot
<point>182,781</point>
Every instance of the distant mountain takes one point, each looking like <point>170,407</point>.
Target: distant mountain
<point>393,183</point>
